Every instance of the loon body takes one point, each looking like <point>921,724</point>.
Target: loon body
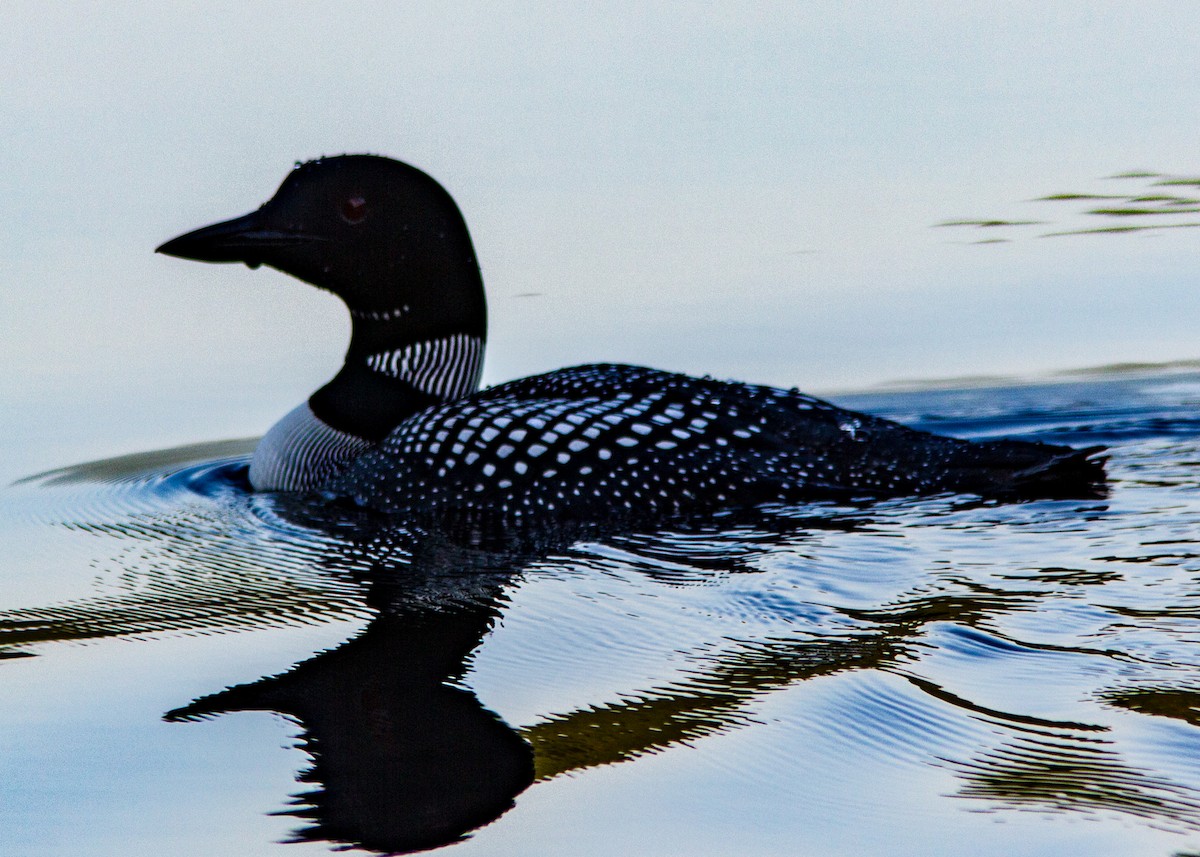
<point>403,427</point>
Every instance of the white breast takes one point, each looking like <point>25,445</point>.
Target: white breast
<point>300,453</point>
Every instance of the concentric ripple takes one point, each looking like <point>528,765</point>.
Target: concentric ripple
<point>179,545</point>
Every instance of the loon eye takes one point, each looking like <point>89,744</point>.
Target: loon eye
<point>354,209</point>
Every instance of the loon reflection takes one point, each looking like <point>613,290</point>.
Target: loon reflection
<point>402,760</point>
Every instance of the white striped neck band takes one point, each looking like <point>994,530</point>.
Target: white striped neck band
<point>448,368</point>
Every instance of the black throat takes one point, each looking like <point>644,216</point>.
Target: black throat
<point>397,365</point>
<point>366,403</point>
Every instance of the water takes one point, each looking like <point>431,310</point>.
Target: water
<point>188,668</point>
<point>811,194</point>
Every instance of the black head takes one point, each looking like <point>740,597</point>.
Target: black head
<point>380,234</point>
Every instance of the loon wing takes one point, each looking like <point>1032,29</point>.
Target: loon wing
<point>608,440</point>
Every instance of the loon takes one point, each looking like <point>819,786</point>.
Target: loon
<point>403,427</point>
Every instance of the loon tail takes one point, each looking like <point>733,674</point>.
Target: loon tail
<point>1024,470</point>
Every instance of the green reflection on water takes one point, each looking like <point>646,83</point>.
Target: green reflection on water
<point>1142,204</point>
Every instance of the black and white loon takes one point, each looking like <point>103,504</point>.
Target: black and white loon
<point>403,427</point>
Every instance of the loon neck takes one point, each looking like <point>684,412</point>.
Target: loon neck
<point>396,367</point>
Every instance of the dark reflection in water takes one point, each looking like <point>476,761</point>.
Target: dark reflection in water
<point>1020,649</point>
<point>711,701</point>
<point>402,759</point>
<point>1181,703</point>
<point>1063,773</point>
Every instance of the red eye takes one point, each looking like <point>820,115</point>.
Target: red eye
<point>354,210</point>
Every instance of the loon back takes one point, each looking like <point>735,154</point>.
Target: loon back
<point>402,429</point>
<point>611,441</point>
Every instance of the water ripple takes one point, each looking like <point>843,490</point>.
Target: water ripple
<point>1035,658</point>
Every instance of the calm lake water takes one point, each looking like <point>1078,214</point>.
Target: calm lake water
<point>190,669</point>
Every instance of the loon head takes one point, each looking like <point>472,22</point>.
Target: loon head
<point>390,242</point>
<point>381,235</point>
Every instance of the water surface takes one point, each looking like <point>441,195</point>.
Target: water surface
<point>192,669</point>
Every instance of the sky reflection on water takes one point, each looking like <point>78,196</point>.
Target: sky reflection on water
<point>803,678</point>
